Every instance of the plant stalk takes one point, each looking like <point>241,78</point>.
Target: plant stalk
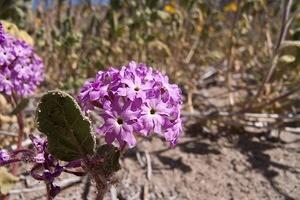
<point>20,121</point>
<point>48,191</point>
<point>101,183</point>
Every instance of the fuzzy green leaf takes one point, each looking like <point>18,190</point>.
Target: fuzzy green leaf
<point>111,155</point>
<point>68,131</point>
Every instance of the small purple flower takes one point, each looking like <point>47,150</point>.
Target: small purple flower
<point>6,55</point>
<point>174,132</point>
<point>22,50</point>
<point>23,71</point>
<point>133,100</point>
<point>134,86</point>
<point>4,156</point>
<point>39,143</point>
<point>6,82</point>
<point>153,116</point>
<point>119,123</point>
<point>39,158</point>
<point>171,92</point>
<point>94,93</point>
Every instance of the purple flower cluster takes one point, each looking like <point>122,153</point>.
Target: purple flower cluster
<point>21,70</point>
<point>135,99</point>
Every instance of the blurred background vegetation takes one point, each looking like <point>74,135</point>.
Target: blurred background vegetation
<point>237,61</point>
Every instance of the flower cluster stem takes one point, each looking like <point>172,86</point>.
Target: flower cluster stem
<point>20,121</point>
<point>20,118</point>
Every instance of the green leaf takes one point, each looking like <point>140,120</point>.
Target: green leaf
<point>21,106</point>
<point>68,131</point>
<point>110,156</point>
<point>7,181</point>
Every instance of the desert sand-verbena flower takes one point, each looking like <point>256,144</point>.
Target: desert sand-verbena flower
<point>134,99</point>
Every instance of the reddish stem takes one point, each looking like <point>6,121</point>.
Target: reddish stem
<point>20,120</point>
<point>4,197</point>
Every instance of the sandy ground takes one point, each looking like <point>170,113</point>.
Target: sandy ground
<point>217,168</point>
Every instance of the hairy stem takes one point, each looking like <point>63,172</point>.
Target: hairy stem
<point>101,183</point>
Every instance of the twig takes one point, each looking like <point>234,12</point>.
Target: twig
<point>69,182</point>
<point>283,96</point>
<point>230,54</point>
<point>269,42</point>
<point>149,166</point>
<point>284,28</point>
<point>146,192</point>
<point>292,129</point>
<point>113,193</point>
<point>187,60</point>
<point>27,190</point>
<point>139,158</point>
<point>6,133</point>
<point>64,184</point>
<point>284,23</point>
